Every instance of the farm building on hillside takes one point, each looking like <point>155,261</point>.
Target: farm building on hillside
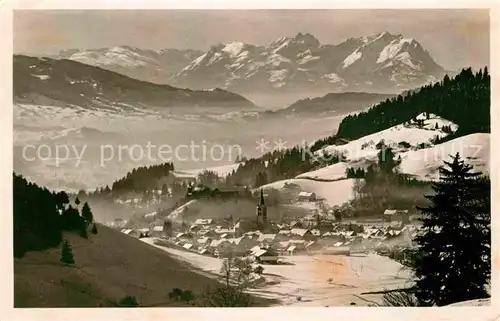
<point>341,141</point>
<point>150,216</point>
<point>144,232</point>
<point>307,196</point>
<point>157,231</point>
<point>225,193</point>
<point>396,215</point>
<point>131,232</point>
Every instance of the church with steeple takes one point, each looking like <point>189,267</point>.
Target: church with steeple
<point>261,211</point>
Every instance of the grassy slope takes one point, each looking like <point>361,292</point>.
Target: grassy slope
<point>109,266</point>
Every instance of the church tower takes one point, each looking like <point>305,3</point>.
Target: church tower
<point>261,211</point>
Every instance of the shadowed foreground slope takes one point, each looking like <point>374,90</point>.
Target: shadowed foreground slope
<point>109,266</point>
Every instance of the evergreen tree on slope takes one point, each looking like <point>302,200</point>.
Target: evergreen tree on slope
<point>453,262</point>
<point>67,253</point>
<point>87,213</point>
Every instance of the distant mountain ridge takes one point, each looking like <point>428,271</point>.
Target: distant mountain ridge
<point>66,82</point>
<point>336,102</point>
<point>384,62</point>
<point>148,65</point>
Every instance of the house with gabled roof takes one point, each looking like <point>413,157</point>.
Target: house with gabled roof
<point>299,244</point>
<point>307,196</point>
<point>203,221</point>
<point>157,231</point>
<point>396,215</point>
<point>221,247</point>
<point>302,234</point>
<point>283,235</point>
<point>207,233</point>
<point>241,245</point>
<point>291,250</point>
<point>268,256</point>
<point>204,251</point>
<point>267,239</point>
<point>204,241</point>
<point>131,232</point>
<point>296,224</point>
<point>254,249</point>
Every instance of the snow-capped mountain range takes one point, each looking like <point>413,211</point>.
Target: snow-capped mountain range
<point>148,65</point>
<point>383,62</point>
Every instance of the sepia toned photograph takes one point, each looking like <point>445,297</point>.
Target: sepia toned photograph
<point>251,158</point>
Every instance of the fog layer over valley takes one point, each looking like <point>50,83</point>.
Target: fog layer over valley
<point>73,128</point>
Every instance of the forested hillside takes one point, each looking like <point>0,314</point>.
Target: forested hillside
<point>464,100</point>
<point>142,178</point>
<point>40,216</point>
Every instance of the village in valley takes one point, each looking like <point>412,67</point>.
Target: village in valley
<point>268,240</point>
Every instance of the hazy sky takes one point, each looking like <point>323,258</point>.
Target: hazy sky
<point>455,38</point>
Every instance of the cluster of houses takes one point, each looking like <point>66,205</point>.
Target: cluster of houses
<point>207,237</point>
<point>266,241</point>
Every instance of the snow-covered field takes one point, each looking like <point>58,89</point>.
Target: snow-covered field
<point>365,147</point>
<point>332,172</point>
<point>424,163</point>
<point>320,280</point>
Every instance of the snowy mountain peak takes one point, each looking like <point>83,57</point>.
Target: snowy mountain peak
<point>234,48</point>
<point>307,39</point>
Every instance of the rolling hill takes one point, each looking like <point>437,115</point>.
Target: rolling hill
<point>109,266</point>
<point>340,103</point>
<point>46,81</point>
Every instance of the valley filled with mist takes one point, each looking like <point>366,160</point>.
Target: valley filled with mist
<point>76,128</point>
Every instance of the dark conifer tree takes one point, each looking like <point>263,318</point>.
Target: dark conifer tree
<point>386,161</point>
<point>454,252</point>
<point>370,174</point>
<point>67,253</point>
<point>87,215</point>
<point>83,231</point>
<point>71,219</point>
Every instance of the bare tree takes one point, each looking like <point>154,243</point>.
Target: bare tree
<point>235,276</point>
<point>357,269</point>
<point>399,299</point>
